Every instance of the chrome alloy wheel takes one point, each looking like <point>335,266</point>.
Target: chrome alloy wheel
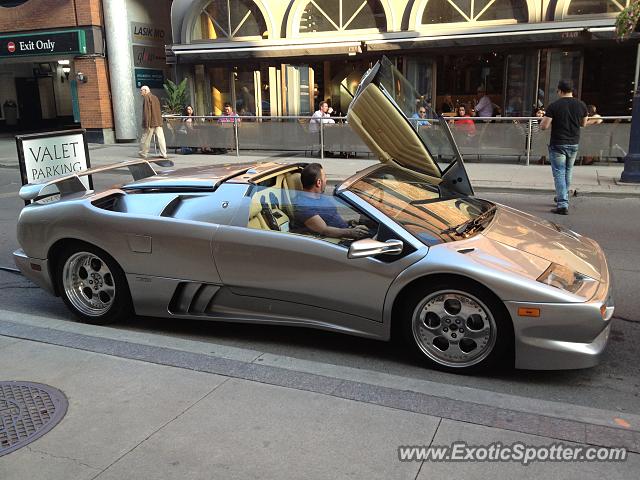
<point>454,328</point>
<point>88,284</point>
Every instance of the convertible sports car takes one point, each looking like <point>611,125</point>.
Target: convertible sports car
<point>467,283</point>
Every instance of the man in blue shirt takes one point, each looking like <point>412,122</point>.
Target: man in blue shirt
<point>420,118</point>
<point>318,212</point>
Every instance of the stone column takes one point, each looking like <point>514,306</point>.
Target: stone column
<point>119,53</point>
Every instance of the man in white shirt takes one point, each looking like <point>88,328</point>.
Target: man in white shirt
<point>323,114</point>
<point>484,107</point>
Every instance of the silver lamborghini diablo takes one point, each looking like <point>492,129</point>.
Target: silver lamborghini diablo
<point>467,283</point>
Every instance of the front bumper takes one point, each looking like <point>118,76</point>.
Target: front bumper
<point>35,269</point>
<point>565,336</point>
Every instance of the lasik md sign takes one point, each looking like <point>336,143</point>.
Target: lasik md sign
<point>55,154</point>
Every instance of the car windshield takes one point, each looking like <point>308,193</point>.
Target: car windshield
<point>431,128</point>
<point>417,205</point>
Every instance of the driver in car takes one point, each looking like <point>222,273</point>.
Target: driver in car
<point>318,212</point>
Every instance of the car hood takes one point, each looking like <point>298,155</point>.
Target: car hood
<point>545,240</point>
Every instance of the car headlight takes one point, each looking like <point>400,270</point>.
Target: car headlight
<point>564,278</point>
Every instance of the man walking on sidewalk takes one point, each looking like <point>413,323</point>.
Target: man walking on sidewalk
<point>151,123</point>
<point>565,116</point>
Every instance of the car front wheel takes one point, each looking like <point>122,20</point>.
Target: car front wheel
<point>93,285</point>
<point>457,327</point>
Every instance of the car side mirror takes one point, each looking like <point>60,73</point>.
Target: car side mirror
<point>368,247</point>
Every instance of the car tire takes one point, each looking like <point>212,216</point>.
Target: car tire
<point>457,326</point>
<point>92,284</point>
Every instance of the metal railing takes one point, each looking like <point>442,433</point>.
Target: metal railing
<point>511,139</point>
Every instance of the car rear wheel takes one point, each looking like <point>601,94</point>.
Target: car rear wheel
<point>458,328</point>
<point>93,285</point>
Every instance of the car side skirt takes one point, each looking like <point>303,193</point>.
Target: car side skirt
<point>180,299</point>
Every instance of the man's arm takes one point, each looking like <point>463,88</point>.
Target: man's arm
<point>545,123</point>
<point>318,225</point>
<point>583,122</point>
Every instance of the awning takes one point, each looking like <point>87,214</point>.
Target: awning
<point>553,33</point>
<point>524,34</point>
<point>197,52</point>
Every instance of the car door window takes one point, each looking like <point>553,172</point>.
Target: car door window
<point>289,211</point>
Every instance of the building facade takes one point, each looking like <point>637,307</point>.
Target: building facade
<point>80,63</point>
<point>277,57</point>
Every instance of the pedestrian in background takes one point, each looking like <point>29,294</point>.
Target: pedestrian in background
<point>151,123</point>
<point>323,114</point>
<point>419,119</point>
<point>185,130</point>
<point>484,107</point>
<point>594,117</point>
<point>565,116</point>
<point>447,105</point>
<point>228,116</point>
<point>464,123</point>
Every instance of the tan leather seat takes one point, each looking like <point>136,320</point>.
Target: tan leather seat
<point>292,181</point>
<point>258,218</point>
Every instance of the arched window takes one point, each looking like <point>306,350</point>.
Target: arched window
<point>342,15</point>
<point>230,20</point>
<point>596,7</point>
<point>459,11</point>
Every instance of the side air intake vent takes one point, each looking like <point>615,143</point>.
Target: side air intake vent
<point>192,298</point>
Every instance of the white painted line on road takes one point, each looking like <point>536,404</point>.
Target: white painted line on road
<point>9,194</point>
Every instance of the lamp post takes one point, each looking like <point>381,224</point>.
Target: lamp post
<point>626,25</point>
<point>631,172</point>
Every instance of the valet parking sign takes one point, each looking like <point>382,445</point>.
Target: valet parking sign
<point>46,156</point>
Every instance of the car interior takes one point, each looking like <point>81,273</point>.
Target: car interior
<point>273,206</point>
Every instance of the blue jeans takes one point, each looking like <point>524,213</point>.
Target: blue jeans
<point>562,158</point>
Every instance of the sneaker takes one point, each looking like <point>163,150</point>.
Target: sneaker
<point>141,155</point>
<point>560,211</point>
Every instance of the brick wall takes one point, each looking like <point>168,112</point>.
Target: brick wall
<point>50,14</point>
<point>94,96</point>
<point>89,12</point>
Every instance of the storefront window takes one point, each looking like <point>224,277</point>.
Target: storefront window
<point>341,15</point>
<point>220,89</point>
<point>564,65</point>
<point>596,7</point>
<point>420,75</point>
<point>456,11</point>
<point>229,20</point>
<point>462,77</point>
<point>522,73</point>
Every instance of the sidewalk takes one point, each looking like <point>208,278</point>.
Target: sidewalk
<point>592,180</point>
<point>148,406</point>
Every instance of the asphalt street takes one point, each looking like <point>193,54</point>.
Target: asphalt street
<point>613,385</point>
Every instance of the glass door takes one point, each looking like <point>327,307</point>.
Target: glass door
<point>564,65</point>
<point>421,73</point>
<point>521,75</point>
<point>298,85</point>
